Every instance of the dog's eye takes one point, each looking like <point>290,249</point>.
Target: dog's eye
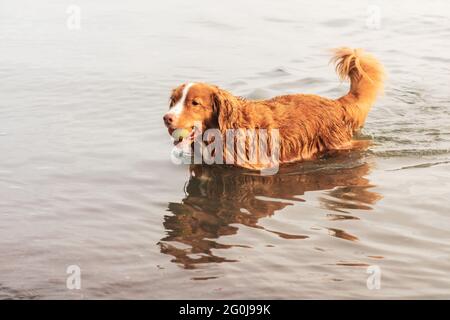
<point>195,103</point>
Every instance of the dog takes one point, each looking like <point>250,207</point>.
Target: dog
<point>307,125</point>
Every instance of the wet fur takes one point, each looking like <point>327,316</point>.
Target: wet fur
<point>307,124</point>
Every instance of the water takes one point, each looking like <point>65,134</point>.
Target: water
<point>86,178</point>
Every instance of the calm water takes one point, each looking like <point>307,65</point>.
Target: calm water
<point>86,178</point>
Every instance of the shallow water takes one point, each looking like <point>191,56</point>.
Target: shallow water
<point>86,177</point>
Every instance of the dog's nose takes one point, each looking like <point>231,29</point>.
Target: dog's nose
<point>168,118</point>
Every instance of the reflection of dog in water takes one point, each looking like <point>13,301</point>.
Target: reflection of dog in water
<point>219,197</point>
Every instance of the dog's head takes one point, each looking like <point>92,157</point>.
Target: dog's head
<point>198,103</point>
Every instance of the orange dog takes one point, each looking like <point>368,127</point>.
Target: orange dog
<point>307,124</point>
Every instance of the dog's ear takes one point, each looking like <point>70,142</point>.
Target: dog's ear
<point>225,107</point>
<point>217,100</point>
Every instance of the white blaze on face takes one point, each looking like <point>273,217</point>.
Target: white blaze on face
<point>177,109</point>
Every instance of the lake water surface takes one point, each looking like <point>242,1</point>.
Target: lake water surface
<point>86,177</point>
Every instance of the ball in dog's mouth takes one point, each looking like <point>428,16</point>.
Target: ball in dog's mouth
<point>182,135</point>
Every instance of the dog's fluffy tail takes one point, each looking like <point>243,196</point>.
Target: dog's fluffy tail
<point>366,76</point>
